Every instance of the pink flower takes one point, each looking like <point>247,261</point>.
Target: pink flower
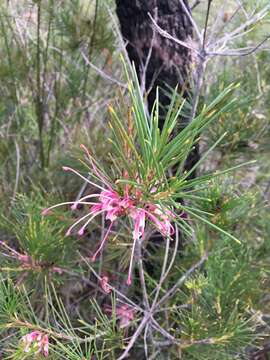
<point>36,339</point>
<point>114,206</point>
<point>125,314</point>
<point>26,259</point>
<point>104,282</point>
<point>161,218</point>
<point>138,216</point>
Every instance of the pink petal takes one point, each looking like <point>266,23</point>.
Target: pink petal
<point>102,243</point>
<point>129,279</point>
<point>46,212</point>
<point>46,345</point>
<point>138,216</point>
<point>81,231</point>
<point>105,284</point>
<point>66,168</point>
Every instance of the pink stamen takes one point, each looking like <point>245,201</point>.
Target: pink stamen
<point>58,270</point>
<point>102,242</point>
<point>77,202</point>
<point>129,279</point>
<point>96,212</point>
<point>80,201</point>
<point>80,220</point>
<point>76,223</point>
<point>24,258</point>
<point>66,168</point>
<point>97,172</point>
<point>81,232</point>
<point>48,210</point>
<point>164,226</point>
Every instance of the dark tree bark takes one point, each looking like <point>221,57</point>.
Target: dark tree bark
<point>168,62</point>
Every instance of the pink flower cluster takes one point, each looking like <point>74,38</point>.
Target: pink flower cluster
<point>36,339</point>
<point>113,205</point>
<point>125,314</point>
<point>104,282</point>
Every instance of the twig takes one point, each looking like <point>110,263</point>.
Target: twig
<point>146,64</point>
<point>163,271</point>
<point>137,307</point>
<point>182,280</point>
<point>195,26</point>
<point>206,23</point>
<point>145,295</point>
<point>148,316</point>
<point>39,100</point>
<point>171,308</point>
<point>196,3</point>
<point>102,73</point>
<point>200,70</point>
<point>145,340</point>
<point>240,51</point>
<point>141,274</point>
<point>164,332</point>
<point>135,336</point>
<point>18,158</point>
<point>221,13</point>
<point>170,37</point>
<point>259,84</point>
<point>174,252</point>
<point>185,344</point>
<point>239,30</point>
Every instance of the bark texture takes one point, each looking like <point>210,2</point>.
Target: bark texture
<point>168,62</point>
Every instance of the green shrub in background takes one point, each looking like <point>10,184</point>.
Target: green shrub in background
<point>51,101</point>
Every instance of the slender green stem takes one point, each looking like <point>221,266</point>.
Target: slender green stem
<point>57,87</point>
<point>39,100</point>
<point>91,48</point>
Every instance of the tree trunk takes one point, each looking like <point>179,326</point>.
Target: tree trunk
<point>168,62</point>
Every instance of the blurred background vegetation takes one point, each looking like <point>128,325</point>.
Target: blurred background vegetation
<point>59,72</point>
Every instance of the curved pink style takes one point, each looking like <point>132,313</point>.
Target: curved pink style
<point>114,206</point>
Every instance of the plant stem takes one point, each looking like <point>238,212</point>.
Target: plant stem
<point>181,281</point>
<point>57,89</point>
<point>39,100</point>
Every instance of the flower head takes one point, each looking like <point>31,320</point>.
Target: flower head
<point>115,204</point>
<point>124,312</point>
<point>36,340</point>
<point>126,315</point>
<point>104,282</point>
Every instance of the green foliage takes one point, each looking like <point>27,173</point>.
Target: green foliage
<point>51,101</point>
<point>85,23</point>
<point>38,236</point>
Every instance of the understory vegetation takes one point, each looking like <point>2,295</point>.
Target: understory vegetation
<point>183,267</point>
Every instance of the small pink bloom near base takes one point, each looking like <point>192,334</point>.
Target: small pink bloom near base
<point>124,312</point>
<point>36,341</point>
<point>104,282</point>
